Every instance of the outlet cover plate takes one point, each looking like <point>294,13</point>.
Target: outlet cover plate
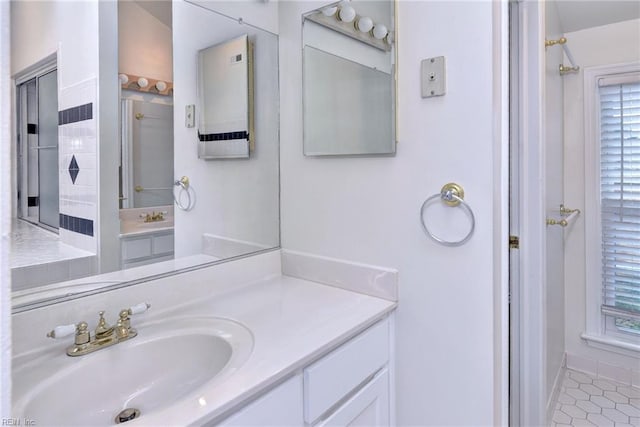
<point>190,116</point>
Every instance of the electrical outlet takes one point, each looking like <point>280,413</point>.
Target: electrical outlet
<point>433,77</point>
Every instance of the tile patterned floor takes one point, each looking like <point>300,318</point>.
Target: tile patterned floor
<point>588,401</point>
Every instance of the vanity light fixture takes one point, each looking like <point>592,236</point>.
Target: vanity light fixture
<point>380,31</point>
<point>145,84</point>
<point>347,13</point>
<point>343,18</point>
<point>329,10</point>
<point>364,24</point>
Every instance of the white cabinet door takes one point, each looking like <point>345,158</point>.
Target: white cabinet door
<point>369,407</point>
<point>281,407</point>
<point>333,377</point>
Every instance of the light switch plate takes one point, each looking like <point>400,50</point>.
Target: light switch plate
<point>190,116</point>
<point>433,77</point>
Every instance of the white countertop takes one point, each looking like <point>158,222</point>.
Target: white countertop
<point>293,322</point>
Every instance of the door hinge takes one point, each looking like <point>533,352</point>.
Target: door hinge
<point>514,242</point>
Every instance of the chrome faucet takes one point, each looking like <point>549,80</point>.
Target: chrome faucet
<point>104,334</point>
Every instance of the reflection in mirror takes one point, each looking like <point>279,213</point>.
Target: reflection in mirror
<point>349,79</point>
<point>146,178</point>
<point>233,205</point>
<point>225,88</point>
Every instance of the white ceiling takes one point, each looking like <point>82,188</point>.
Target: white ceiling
<point>580,14</point>
<point>160,9</point>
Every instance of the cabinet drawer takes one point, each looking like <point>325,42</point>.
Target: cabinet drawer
<point>369,406</point>
<point>280,407</point>
<point>331,378</point>
<point>136,248</point>
<point>163,244</point>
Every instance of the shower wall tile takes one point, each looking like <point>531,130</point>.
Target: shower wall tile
<point>77,159</point>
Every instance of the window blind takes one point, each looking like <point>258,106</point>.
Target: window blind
<point>620,195</point>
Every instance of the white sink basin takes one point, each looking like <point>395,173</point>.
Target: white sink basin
<point>155,224</point>
<point>127,227</point>
<point>167,362</point>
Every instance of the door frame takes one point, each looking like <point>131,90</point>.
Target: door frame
<point>20,159</point>
<point>527,206</point>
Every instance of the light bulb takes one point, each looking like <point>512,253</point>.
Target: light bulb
<point>161,86</point>
<point>329,10</point>
<point>347,14</point>
<point>124,79</point>
<point>142,82</point>
<point>364,24</point>
<point>380,31</point>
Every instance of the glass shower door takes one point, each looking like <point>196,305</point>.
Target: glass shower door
<point>48,149</point>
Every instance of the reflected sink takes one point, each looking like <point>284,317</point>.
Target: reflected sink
<point>156,224</point>
<point>127,227</point>
<point>168,361</point>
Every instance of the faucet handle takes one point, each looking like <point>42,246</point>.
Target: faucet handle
<point>139,308</point>
<point>62,331</point>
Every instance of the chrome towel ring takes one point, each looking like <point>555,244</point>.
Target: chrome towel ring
<point>453,195</point>
<point>184,185</point>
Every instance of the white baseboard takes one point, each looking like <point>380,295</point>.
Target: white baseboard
<point>603,369</point>
<point>366,279</point>
<point>557,385</point>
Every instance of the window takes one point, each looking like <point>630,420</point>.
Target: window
<point>619,103</point>
<point>612,206</point>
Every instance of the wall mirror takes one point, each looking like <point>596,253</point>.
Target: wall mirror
<point>224,209</point>
<point>349,79</point>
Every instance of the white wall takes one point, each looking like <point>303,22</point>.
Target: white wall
<point>144,43</point>
<point>108,138</point>
<point>41,28</point>
<point>5,213</point>
<point>554,284</point>
<point>235,199</point>
<point>366,209</point>
<point>609,44</point>
<point>259,13</point>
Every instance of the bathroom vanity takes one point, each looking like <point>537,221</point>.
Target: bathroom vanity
<point>237,343</point>
<point>348,386</point>
<point>146,236</point>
